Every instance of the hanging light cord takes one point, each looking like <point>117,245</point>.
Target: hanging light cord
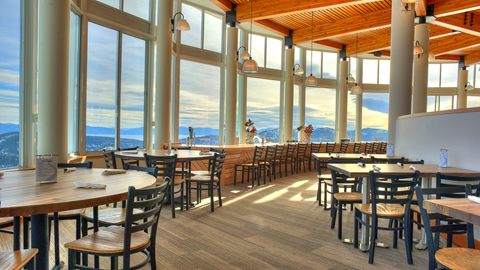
<point>311,51</point>
<point>251,27</point>
<point>356,60</point>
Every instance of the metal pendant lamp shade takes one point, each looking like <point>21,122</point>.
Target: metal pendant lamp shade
<point>350,78</point>
<point>311,81</point>
<point>299,71</point>
<point>409,1</point>
<point>182,25</point>
<point>245,55</point>
<point>250,66</point>
<point>356,90</point>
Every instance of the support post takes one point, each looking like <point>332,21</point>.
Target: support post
<point>231,93</point>
<point>462,94</point>
<point>343,100</point>
<point>420,69</point>
<point>358,120</point>
<point>288,120</point>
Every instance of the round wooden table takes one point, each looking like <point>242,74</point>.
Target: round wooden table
<point>21,195</point>
<point>182,155</point>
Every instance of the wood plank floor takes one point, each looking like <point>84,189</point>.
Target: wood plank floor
<point>275,226</point>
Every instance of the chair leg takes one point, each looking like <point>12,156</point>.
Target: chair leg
<point>84,233</point>
<point>181,195</point>
<point>153,260</point>
<point>270,173</point>
<point>265,174</point>
<point>325,196</point>
<point>355,229</point>
<point>56,235</point>
<point>395,234</point>
<point>340,219</point>
<point>333,214</point>
<point>71,259</point>
<point>274,166</point>
<point>372,240</point>
<point>210,188</point>
<point>258,176</point>
<point>280,168</point>
<point>235,176</point>
<point>219,195</point>
<point>408,244</point>
<point>26,225</point>
<point>172,198</point>
<point>114,262</point>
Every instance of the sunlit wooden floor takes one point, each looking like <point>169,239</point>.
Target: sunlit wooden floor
<point>275,226</point>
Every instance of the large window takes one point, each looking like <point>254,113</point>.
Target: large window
<point>73,82</point>
<point>212,25</point>
<point>10,25</point>
<point>212,40</point>
<point>442,75</point>
<point>263,108</point>
<point>329,65</point>
<point>320,113</point>
<point>295,124</point>
<point>199,102</point>
<point>314,64</point>
<point>434,75</point>
<point>274,53</point>
<point>321,64</point>
<point>375,116</point>
<point>267,52</point>
<point>351,116</point>
<point>115,104</point>
<point>376,71</point>
<point>473,101</point>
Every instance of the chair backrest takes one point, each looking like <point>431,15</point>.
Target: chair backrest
<point>87,165</point>
<point>269,152</point>
<point>375,147</point>
<point>438,227</point>
<point>217,165</point>
<point>166,166</point>
<point>330,147</point>
<point>301,149</point>
<point>221,151</point>
<point>356,148</point>
<point>257,155</point>
<point>383,148</point>
<point>127,149</point>
<point>151,202</point>
<point>387,160</point>
<point>126,160</point>
<point>392,192</point>
<point>279,152</point>
<point>110,160</point>
<point>441,178</point>
<point>315,147</point>
<point>368,147</point>
<point>184,148</point>
<point>150,170</point>
<point>409,162</point>
<point>290,150</point>
<point>343,147</point>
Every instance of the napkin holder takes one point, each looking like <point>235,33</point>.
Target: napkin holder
<point>443,158</point>
<point>46,168</point>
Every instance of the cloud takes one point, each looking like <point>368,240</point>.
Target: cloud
<point>10,112</point>
<point>9,93</point>
<point>9,78</point>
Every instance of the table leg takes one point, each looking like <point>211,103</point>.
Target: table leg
<point>40,240</point>
<point>470,237</point>
<point>364,243</point>
<point>426,183</point>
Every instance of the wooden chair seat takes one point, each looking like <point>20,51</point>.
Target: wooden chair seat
<point>201,173</point>
<point>14,260</point>
<point>401,197</point>
<point>348,196</point>
<point>108,241</point>
<point>324,177</point>
<point>250,165</point>
<point>384,210</point>
<point>111,216</point>
<point>264,162</point>
<point>202,178</point>
<point>458,258</point>
<point>5,220</point>
<point>330,183</point>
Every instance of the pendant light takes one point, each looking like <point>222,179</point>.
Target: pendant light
<point>250,66</point>
<point>431,56</point>
<point>311,81</point>
<point>418,50</point>
<point>181,24</point>
<point>356,89</point>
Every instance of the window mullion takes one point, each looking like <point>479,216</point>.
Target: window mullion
<point>118,92</point>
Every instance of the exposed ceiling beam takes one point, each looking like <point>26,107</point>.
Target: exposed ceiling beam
<point>225,5</point>
<point>471,59</point>
<point>329,44</point>
<point>449,44</point>
<point>450,7</point>
<point>457,22</point>
<point>264,9</point>
<point>421,8</point>
<point>371,21</point>
<point>382,42</point>
<point>273,27</point>
<point>448,57</point>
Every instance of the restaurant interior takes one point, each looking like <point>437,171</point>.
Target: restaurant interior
<point>239,134</point>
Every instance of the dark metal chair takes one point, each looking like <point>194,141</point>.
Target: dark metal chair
<point>314,148</point>
<point>129,161</point>
<point>289,158</point>
<point>368,147</point>
<point>375,147</point>
<point>277,161</point>
<point>343,147</point>
<point>138,235</point>
<point>267,163</point>
<point>300,157</point>
<point>212,181</point>
<point>385,206</point>
<point>387,160</point>
<point>250,167</point>
<point>330,147</point>
<point>110,160</point>
<point>356,148</point>
<point>185,165</point>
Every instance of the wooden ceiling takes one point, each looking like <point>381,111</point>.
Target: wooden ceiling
<point>339,22</point>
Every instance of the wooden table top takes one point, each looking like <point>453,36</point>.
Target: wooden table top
<point>324,156</point>
<point>426,170</point>
<point>22,195</point>
<point>463,209</point>
<point>182,155</point>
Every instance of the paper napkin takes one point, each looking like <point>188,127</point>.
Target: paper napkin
<point>112,172</point>
<point>89,185</point>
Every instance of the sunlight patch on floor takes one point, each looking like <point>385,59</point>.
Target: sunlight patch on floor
<point>280,192</point>
<point>299,198</point>
<point>248,193</point>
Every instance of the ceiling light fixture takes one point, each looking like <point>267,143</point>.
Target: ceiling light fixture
<point>356,89</point>
<point>311,81</point>
<point>350,78</point>
<point>469,87</point>
<point>418,50</point>
<point>408,4</point>
<point>299,70</point>
<point>181,24</point>
<point>250,66</point>
<point>245,55</point>
<point>431,56</point>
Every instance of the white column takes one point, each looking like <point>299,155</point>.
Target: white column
<point>400,66</point>
<point>462,94</point>
<point>358,120</point>
<point>231,91</point>
<point>53,78</point>
<point>288,120</point>
<point>163,91</point>
<point>342,100</point>
<point>420,70</point>
<point>301,109</point>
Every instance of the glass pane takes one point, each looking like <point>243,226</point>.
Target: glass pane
<point>351,116</point>
<point>473,101</point>
<point>194,17</point>
<point>102,65</point>
<point>471,73</point>
<point>431,104</point>
<point>477,76</point>
<point>375,116</point>
<point>133,92</point>
<point>353,67</point>
<point>213,33</point>
<point>274,53</point>
<point>315,68</point>
<point>320,113</point>
<point>329,65</point>
<point>114,3</point>
<point>257,49</point>
<point>384,72</point>
<point>199,102</point>
<point>434,75</point>
<point>445,103</point>
<point>449,75</point>
<point>10,24</point>
<point>295,124</point>
<point>73,81</point>
<point>139,8</point>
<point>263,108</point>
<point>370,71</point>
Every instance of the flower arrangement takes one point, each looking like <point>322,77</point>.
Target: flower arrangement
<point>299,128</point>
<point>249,127</point>
<point>308,129</point>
